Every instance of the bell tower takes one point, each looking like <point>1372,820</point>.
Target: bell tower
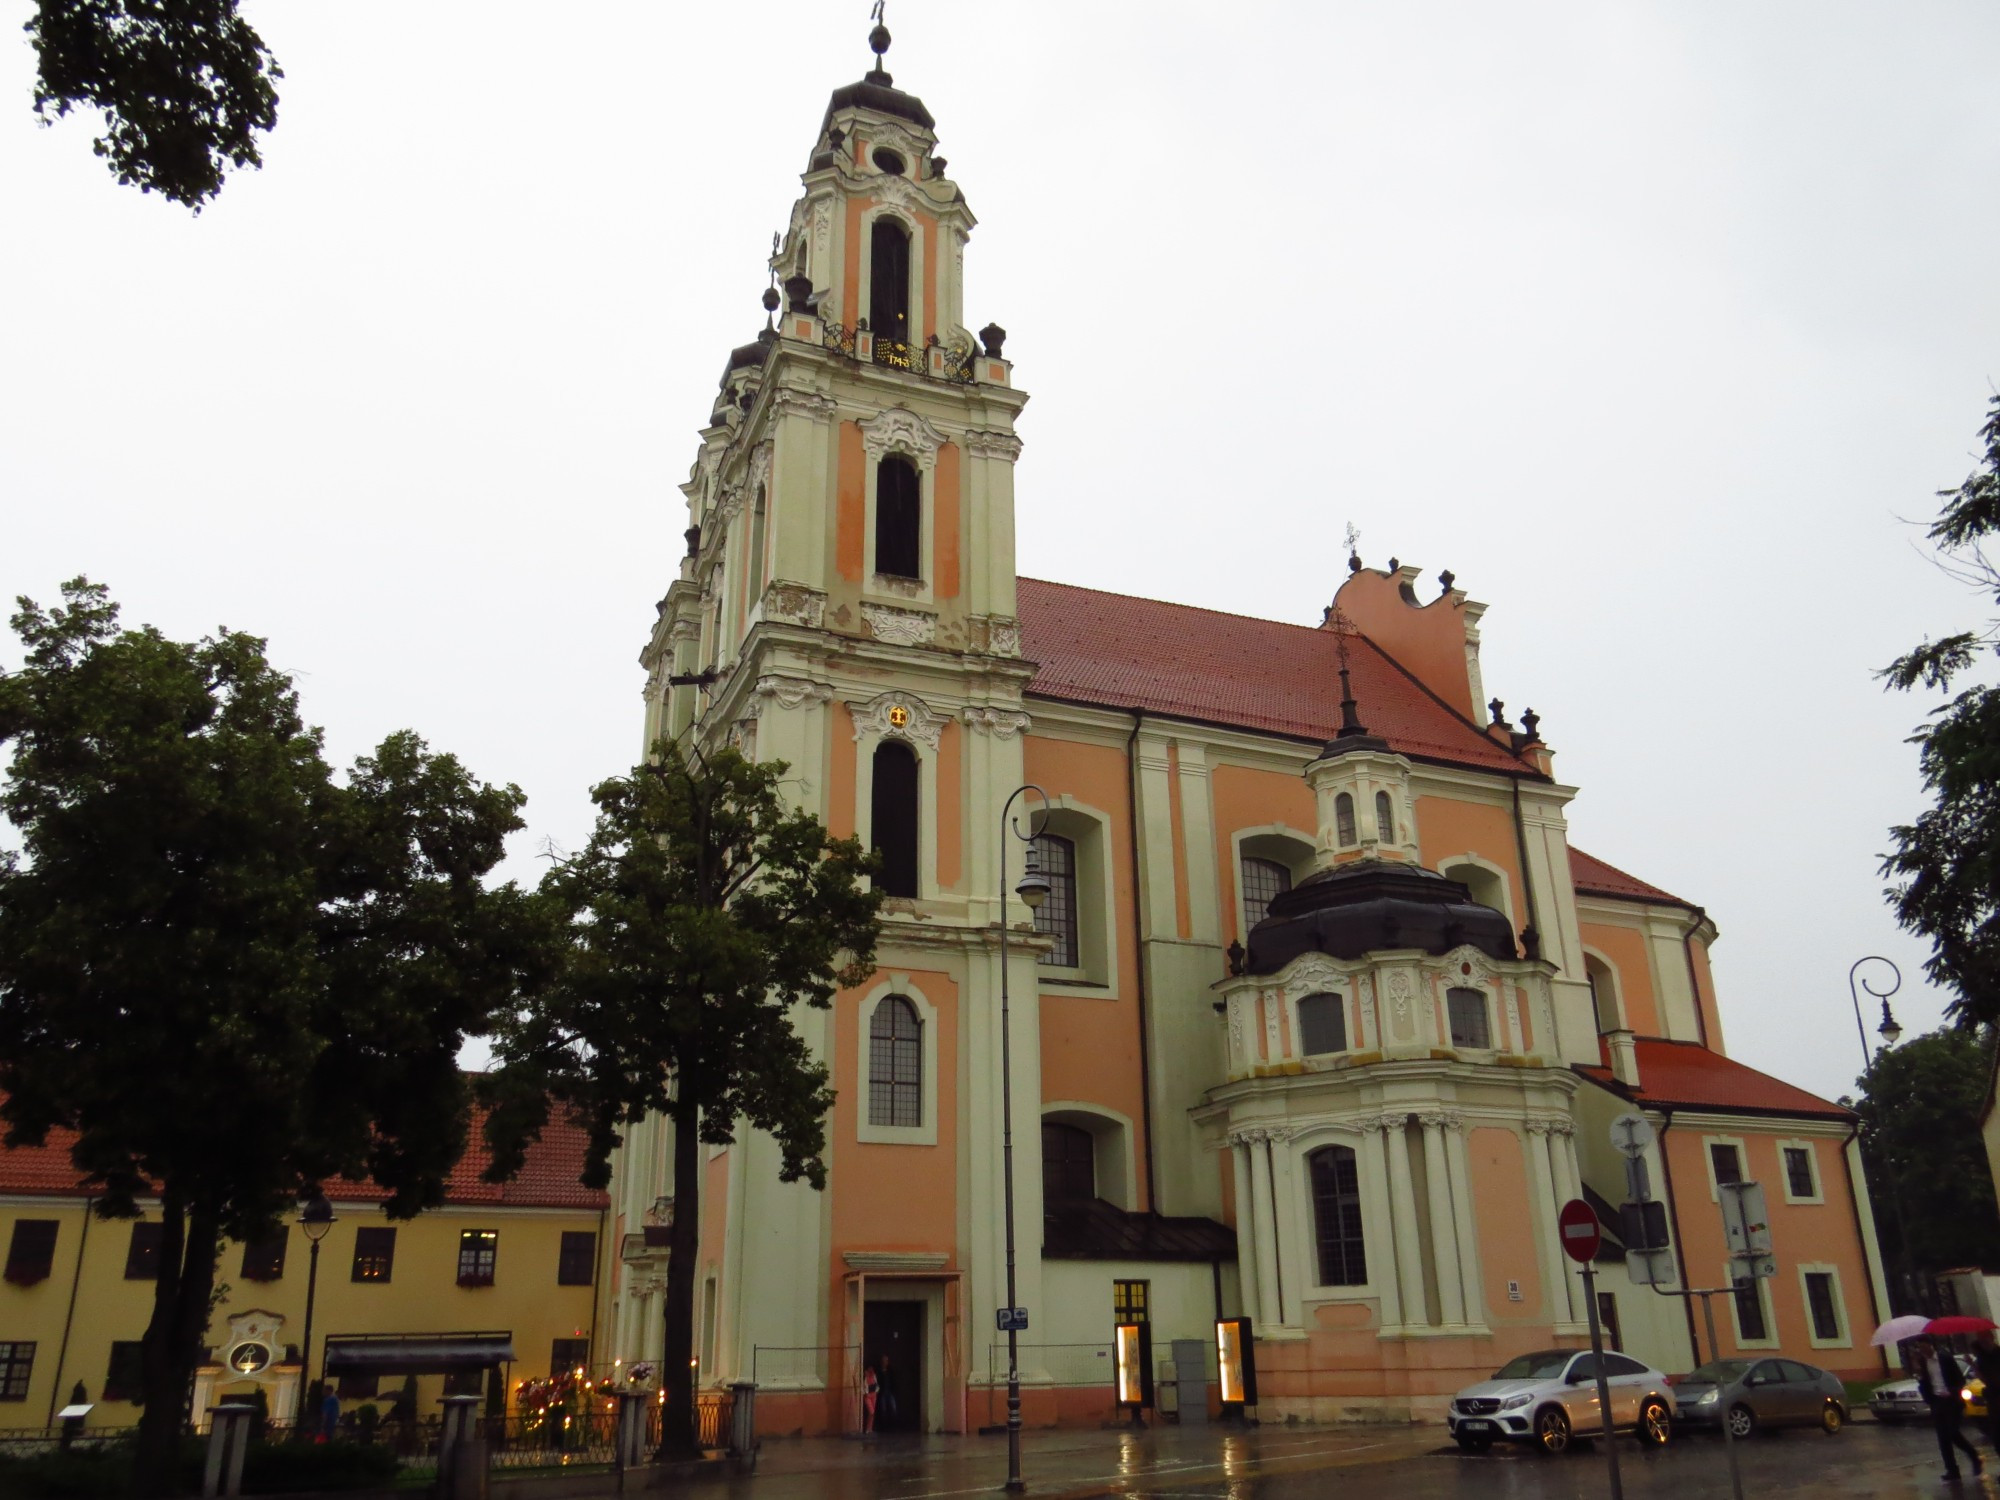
<point>846,604</point>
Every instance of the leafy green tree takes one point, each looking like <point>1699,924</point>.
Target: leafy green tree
<point>701,913</point>
<point>184,87</point>
<point>1947,863</point>
<point>1920,1141</point>
<point>234,976</point>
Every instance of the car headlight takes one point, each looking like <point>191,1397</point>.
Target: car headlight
<point>1515,1403</point>
<point>1708,1398</point>
<point>1966,1394</point>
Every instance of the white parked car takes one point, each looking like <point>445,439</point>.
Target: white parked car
<point>1549,1398</point>
<point>1899,1401</point>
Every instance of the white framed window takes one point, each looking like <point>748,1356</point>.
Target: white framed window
<point>906,722</point>
<point>1607,995</point>
<point>1826,1307</point>
<point>1269,860</point>
<point>1469,1013</point>
<point>1727,1161</point>
<point>1798,1170</point>
<point>1486,881</point>
<point>899,484</point>
<point>1750,1310</point>
<point>896,1066</point>
<point>1091,944</point>
<point>1110,1165</point>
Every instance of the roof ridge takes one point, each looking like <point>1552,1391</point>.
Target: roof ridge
<point>1199,609</point>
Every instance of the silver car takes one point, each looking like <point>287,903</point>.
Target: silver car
<point>1549,1398</point>
<point>1753,1393</point>
<point>1899,1401</point>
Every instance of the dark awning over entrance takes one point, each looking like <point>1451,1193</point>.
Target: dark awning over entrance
<point>416,1353</point>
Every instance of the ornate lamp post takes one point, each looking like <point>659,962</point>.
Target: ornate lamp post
<point>1889,1031</point>
<point>316,1219</point>
<point>1033,889</point>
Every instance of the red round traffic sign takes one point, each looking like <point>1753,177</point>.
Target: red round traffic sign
<point>1581,1238</point>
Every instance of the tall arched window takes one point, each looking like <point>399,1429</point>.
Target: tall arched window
<point>889,281</point>
<point>757,547</point>
<point>1262,879</point>
<point>1343,819</point>
<point>1056,916</point>
<point>1069,1163</point>
<point>892,827</point>
<point>1385,818</point>
<point>1323,1024</point>
<point>895,1064</point>
<point>898,518</point>
<point>1336,1190</point>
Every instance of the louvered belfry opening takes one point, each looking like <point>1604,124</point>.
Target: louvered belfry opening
<point>889,281</point>
<point>898,518</point>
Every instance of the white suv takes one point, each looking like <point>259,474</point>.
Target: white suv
<point>1550,1399</point>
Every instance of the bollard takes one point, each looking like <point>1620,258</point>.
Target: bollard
<point>631,1429</point>
<point>228,1438</point>
<point>457,1449</point>
<point>743,1418</point>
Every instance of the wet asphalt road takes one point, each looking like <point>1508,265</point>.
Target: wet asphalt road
<point>1351,1463</point>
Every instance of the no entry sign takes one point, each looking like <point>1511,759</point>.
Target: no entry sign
<point>1581,1238</point>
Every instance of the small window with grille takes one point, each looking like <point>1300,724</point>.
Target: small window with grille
<point>17,1362</point>
<point>1263,880</point>
<point>1799,1172</point>
<point>1728,1163</point>
<point>1471,1026</point>
<point>374,1253</point>
<point>895,1064</point>
<point>1131,1301</point>
<point>31,1254</point>
<point>1385,818</point>
<point>123,1377</point>
<point>568,1356</point>
<point>142,1255</point>
<point>576,1265</point>
<point>1323,1024</point>
<point>264,1259</point>
<point>1056,916</point>
<point>1823,1306</point>
<point>1343,819</point>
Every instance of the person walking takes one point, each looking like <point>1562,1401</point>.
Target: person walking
<point>1940,1382</point>
<point>1986,1365</point>
<point>871,1391</point>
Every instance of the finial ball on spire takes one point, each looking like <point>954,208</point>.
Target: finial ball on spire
<point>878,39</point>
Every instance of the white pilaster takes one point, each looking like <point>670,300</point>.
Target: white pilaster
<point>1384,1246</point>
<point>1469,1263</point>
<point>1403,1195</point>
<point>1268,1311</point>
<point>1444,1226</point>
<point>1247,1236</point>
<point>1542,1216</point>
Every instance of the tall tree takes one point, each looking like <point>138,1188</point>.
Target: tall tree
<point>701,913</point>
<point>232,975</point>
<point>1919,1108</point>
<point>1947,864</point>
<point>184,86</point>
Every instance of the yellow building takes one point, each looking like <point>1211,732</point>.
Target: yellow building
<point>519,1260</point>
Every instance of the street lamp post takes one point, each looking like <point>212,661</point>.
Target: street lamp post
<point>316,1219</point>
<point>1888,1030</point>
<point>1033,889</point>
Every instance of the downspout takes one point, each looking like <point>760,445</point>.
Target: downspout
<point>1139,952</point>
<point>1694,984</point>
<point>597,1281</point>
<point>1680,1245</point>
<point>1531,942</point>
<point>75,1281</point>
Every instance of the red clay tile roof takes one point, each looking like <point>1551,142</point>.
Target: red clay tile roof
<point>547,1180</point>
<point>1592,876</point>
<point>1118,651</point>
<point>1677,1075</point>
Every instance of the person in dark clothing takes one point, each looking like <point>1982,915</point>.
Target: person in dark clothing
<point>1986,1365</point>
<point>1940,1381</point>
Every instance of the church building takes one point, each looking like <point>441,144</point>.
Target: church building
<point>1322,1018</point>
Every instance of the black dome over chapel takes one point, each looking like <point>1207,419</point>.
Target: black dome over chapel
<point>1372,904</point>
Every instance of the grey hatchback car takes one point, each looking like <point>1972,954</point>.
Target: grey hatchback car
<point>1753,1393</point>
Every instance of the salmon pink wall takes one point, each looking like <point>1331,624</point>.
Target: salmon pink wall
<point>850,505</point>
<point>1446,827</point>
<point>1506,1226</point>
<point>1629,952</point>
<point>947,502</point>
<point>841,772</point>
<point>1428,640</point>
<point>1247,798</point>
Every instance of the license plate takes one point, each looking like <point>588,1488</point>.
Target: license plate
<point>1474,1426</point>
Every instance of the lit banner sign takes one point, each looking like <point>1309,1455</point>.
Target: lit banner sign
<point>1236,1359</point>
<point>1132,1345</point>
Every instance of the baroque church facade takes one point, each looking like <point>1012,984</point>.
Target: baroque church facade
<point>1323,1017</point>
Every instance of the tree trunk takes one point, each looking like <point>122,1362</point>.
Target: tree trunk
<point>188,1245</point>
<point>679,1431</point>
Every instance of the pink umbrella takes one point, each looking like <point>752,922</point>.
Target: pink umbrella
<point>1909,1326</point>
<point>1958,1324</point>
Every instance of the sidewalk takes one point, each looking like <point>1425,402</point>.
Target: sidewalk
<point>1061,1465</point>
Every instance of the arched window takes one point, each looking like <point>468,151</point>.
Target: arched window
<point>1484,886</point>
<point>1603,994</point>
<point>892,828</point>
<point>895,1064</point>
<point>1056,916</point>
<point>1323,1024</point>
<point>1262,879</point>
<point>1469,1024</point>
<point>1336,1190</point>
<point>1343,819</point>
<point>1385,818</point>
<point>889,281</point>
<point>1069,1163</point>
<point>757,547</point>
<point>898,518</point>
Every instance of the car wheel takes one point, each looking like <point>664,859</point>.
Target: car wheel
<point>1742,1421</point>
<point>1474,1444</point>
<point>1656,1425</point>
<point>1552,1430</point>
<point>1832,1418</point>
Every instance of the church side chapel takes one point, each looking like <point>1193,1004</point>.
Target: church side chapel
<point>1322,1017</point>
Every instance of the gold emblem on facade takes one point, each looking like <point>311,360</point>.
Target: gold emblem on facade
<point>899,716</point>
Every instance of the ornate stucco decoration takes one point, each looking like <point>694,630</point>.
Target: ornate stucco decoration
<point>900,430</point>
<point>684,630</point>
<point>760,465</point>
<point>897,715</point>
<point>993,445</point>
<point>1255,1135</point>
<point>794,604</point>
<point>1003,638</point>
<point>790,692</point>
<point>1001,723</point>
<point>743,737</point>
<point>1401,997</point>
<point>899,627</point>
<point>788,402</point>
<point>1313,974</point>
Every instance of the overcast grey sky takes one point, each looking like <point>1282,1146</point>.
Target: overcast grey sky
<point>1656,323</point>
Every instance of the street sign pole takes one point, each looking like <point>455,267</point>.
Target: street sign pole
<point>1728,1438</point>
<point>1603,1384</point>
